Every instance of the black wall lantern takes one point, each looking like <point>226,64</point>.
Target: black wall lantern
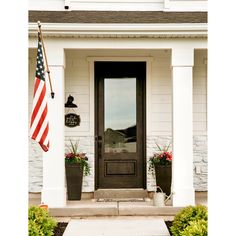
<point>71,119</point>
<point>69,102</point>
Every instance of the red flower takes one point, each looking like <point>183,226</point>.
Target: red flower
<point>69,155</point>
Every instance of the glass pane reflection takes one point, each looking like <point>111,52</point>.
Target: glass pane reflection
<point>120,115</point>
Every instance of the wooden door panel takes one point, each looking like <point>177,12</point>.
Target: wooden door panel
<point>120,124</point>
<point>119,167</point>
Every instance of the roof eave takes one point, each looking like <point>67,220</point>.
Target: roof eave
<point>120,30</point>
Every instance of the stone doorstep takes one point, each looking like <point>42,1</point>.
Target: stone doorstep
<point>200,197</point>
<point>83,209</point>
<point>121,200</point>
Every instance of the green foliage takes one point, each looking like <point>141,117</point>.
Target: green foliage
<point>39,222</point>
<point>73,156</point>
<point>196,228</point>
<point>85,167</point>
<point>187,215</point>
<point>73,148</point>
<point>34,229</point>
<point>161,157</point>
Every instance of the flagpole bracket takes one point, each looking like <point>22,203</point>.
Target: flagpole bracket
<point>52,95</point>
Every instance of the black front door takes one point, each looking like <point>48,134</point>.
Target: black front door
<point>120,124</point>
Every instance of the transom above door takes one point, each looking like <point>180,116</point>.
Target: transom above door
<point>120,124</point>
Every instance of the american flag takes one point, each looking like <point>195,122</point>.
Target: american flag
<point>39,125</point>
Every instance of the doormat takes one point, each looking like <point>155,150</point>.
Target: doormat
<point>120,200</point>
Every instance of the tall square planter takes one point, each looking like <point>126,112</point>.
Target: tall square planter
<point>163,177</point>
<point>74,180</point>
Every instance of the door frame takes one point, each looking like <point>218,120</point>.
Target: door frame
<point>93,106</point>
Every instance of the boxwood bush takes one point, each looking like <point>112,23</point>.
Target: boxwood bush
<point>39,222</point>
<point>196,228</point>
<point>187,215</point>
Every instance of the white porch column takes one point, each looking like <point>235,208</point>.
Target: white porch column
<point>54,192</point>
<point>182,169</point>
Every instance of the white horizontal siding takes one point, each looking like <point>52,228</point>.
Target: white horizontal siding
<point>161,95</point>
<point>81,89</point>
<point>199,98</point>
<point>78,130</point>
<point>161,117</point>
<point>159,107</point>
<point>199,126</point>
<point>200,93</point>
<point>199,116</point>
<point>158,89</point>
<point>77,84</point>
<point>162,126</point>
<point>199,107</point>
<point>162,98</point>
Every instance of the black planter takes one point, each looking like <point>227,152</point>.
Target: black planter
<point>74,179</point>
<point>163,177</point>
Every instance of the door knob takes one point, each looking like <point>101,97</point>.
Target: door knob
<point>98,140</point>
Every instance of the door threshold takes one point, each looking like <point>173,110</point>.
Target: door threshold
<point>121,200</point>
<point>137,193</point>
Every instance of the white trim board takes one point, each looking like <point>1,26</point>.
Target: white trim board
<point>121,30</point>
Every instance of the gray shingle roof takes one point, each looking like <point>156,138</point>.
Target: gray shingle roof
<point>117,17</point>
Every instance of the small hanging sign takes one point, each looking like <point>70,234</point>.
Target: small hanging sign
<point>72,120</point>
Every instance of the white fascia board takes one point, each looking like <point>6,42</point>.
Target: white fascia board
<point>138,5</point>
<point>173,5</point>
<point>46,5</point>
<point>148,30</point>
<point>116,5</point>
<point>119,5</point>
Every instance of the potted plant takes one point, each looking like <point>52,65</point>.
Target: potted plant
<point>160,163</point>
<point>76,164</point>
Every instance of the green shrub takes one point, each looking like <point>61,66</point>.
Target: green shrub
<point>196,228</point>
<point>39,222</point>
<point>34,229</point>
<point>185,216</point>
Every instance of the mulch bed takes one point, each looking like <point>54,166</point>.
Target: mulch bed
<point>59,230</point>
<point>169,224</point>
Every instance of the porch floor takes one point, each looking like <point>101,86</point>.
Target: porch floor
<point>93,208</point>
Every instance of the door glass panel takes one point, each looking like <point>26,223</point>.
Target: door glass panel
<point>120,115</point>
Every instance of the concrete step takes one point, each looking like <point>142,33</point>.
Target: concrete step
<point>120,193</point>
<point>94,208</point>
<point>117,207</point>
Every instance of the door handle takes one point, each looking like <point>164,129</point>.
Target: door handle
<point>99,149</point>
<point>98,140</point>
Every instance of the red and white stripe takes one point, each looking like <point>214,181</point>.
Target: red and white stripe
<point>39,126</point>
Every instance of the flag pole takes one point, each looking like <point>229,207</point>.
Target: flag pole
<point>46,61</point>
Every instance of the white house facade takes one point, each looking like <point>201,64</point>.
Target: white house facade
<point>167,41</point>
